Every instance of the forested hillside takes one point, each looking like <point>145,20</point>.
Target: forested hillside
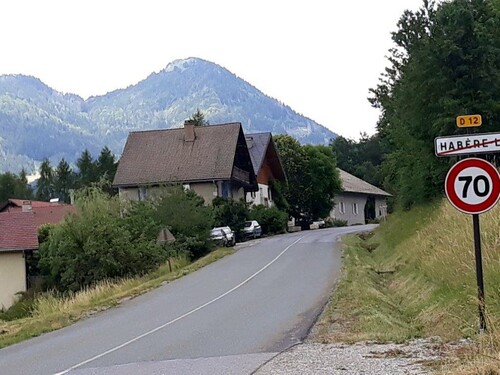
<point>37,122</point>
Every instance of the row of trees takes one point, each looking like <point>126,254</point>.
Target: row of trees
<point>445,62</point>
<point>59,181</point>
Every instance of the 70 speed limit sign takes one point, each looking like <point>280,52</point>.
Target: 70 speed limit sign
<point>473,185</point>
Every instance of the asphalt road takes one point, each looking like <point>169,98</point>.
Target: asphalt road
<point>233,314</point>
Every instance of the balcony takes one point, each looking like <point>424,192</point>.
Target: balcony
<point>241,175</point>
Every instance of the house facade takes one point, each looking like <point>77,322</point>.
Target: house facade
<point>19,223</point>
<point>213,161</point>
<point>267,167</point>
<point>359,201</point>
<point>18,239</point>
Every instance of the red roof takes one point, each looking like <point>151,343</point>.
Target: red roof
<point>18,231</point>
<point>34,204</point>
<point>45,212</point>
<point>51,214</point>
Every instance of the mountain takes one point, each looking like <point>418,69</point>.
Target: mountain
<point>38,122</point>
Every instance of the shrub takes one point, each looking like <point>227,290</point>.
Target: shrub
<point>189,220</point>
<point>21,309</point>
<point>227,212</point>
<point>329,222</point>
<point>98,244</point>
<point>271,220</point>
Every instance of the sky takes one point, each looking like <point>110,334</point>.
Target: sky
<point>319,57</point>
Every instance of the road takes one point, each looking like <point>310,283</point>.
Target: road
<point>235,313</point>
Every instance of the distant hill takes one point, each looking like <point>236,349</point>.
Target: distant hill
<point>38,122</point>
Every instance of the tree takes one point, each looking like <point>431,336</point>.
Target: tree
<point>184,214</point>
<point>198,119</point>
<point>446,62</point>
<point>362,159</point>
<point>99,243</point>
<point>313,179</point>
<point>12,186</point>
<point>63,181</point>
<point>106,164</point>
<point>86,169</point>
<point>45,187</point>
<point>231,213</point>
<point>322,181</point>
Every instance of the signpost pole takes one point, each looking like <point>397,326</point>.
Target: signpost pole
<point>479,272</point>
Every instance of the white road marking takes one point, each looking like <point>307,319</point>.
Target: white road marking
<point>180,317</point>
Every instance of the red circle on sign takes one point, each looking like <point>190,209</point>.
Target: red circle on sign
<point>457,201</point>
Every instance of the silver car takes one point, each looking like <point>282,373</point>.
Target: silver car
<point>252,229</point>
<point>224,235</point>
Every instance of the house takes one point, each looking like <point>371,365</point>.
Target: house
<point>267,166</point>
<point>359,201</point>
<point>19,223</point>
<point>44,212</point>
<point>18,239</point>
<point>212,160</point>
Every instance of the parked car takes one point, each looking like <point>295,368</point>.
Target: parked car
<point>320,222</point>
<point>252,229</point>
<point>224,235</point>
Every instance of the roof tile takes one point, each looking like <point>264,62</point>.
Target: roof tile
<point>18,231</point>
<point>352,184</point>
<point>160,156</point>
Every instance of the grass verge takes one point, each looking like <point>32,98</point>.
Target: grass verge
<point>53,312</point>
<point>415,277</point>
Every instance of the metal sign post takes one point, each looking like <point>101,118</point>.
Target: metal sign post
<point>479,273</point>
<point>473,186</point>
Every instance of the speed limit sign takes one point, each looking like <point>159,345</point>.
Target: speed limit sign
<point>473,185</point>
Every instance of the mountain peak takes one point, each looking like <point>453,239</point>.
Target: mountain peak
<point>181,64</point>
<point>37,122</point>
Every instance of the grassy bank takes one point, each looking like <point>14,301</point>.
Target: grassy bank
<point>415,277</point>
<point>52,312</point>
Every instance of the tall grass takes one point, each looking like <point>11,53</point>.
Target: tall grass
<point>416,277</point>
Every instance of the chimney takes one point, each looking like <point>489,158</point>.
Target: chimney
<point>26,207</point>
<point>189,135</point>
<point>249,142</point>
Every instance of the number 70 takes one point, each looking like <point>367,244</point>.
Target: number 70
<point>475,185</point>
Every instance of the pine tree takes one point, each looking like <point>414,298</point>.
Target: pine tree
<point>198,119</point>
<point>45,189</point>
<point>63,181</point>
<point>106,165</point>
<point>87,173</point>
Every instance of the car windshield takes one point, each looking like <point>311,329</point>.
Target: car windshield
<point>226,230</point>
<point>215,232</point>
<point>248,224</point>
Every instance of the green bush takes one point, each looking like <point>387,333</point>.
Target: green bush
<point>99,244</point>
<point>189,220</point>
<point>227,212</point>
<point>335,222</point>
<point>21,309</point>
<point>271,220</point>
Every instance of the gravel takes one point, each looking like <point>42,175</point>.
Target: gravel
<point>362,358</point>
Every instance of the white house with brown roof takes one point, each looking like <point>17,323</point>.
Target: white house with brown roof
<point>359,201</point>
<point>266,165</point>
<point>211,160</point>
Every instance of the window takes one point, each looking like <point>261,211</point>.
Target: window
<point>355,208</point>
<point>342,208</point>
<point>143,194</point>
<point>186,187</point>
<point>226,189</point>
